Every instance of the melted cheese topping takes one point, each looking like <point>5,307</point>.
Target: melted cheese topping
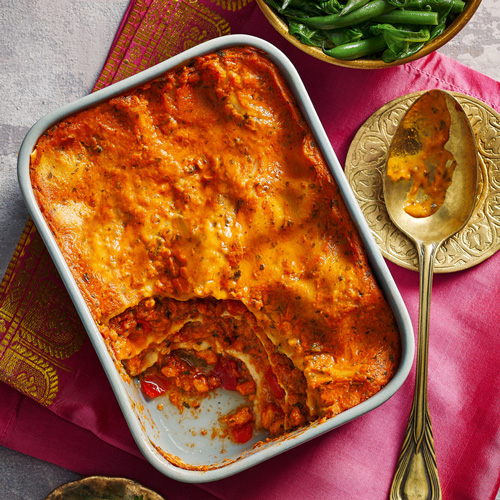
<point>202,188</point>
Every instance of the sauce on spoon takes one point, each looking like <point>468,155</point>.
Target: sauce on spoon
<point>419,154</point>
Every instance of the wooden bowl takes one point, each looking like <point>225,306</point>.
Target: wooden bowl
<point>459,22</point>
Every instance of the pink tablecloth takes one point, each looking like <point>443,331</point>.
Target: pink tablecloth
<point>58,406</point>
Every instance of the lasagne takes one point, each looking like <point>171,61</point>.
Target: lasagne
<point>212,246</point>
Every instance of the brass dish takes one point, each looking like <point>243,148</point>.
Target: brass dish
<point>364,167</point>
<point>452,30</point>
<point>103,488</point>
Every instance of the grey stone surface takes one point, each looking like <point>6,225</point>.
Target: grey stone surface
<point>478,44</point>
<point>51,52</point>
<point>24,478</point>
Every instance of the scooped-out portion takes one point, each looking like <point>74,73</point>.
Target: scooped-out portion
<point>213,247</point>
<point>200,345</point>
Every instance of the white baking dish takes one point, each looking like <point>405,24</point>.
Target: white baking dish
<point>175,443</point>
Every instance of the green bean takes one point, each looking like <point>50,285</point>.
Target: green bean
<point>355,50</point>
<point>369,11</point>
<point>417,17</point>
<point>348,29</point>
<point>455,6</point>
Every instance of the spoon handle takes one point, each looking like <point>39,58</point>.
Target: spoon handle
<point>416,476</point>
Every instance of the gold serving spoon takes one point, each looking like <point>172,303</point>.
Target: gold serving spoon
<point>430,188</point>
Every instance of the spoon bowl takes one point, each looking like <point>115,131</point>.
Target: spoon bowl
<point>461,194</point>
<point>430,189</point>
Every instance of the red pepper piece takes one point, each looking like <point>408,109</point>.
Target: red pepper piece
<point>154,385</point>
<point>241,434</point>
<point>228,373</point>
<point>276,389</point>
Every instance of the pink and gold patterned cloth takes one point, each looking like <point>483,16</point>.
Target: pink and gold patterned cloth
<point>57,405</point>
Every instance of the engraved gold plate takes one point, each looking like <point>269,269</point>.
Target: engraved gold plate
<point>103,488</point>
<point>365,164</point>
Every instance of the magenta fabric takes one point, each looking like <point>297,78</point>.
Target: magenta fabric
<point>84,430</point>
